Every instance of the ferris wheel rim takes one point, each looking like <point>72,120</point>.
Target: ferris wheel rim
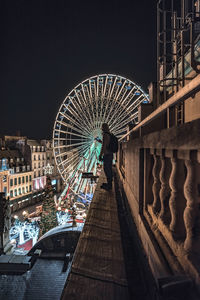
<point>78,128</point>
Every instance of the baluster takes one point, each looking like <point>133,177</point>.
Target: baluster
<point>177,200</point>
<point>191,213</point>
<point>165,189</point>
<point>156,184</point>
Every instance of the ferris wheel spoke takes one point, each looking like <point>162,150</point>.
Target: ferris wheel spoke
<point>69,126</point>
<point>124,122</point>
<point>125,110</point>
<point>79,116</point>
<point>77,126</point>
<point>68,132</point>
<point>127,118</point>
<point>121,94</point>
<point>87,99</point>
<point>68,146</point>
<point>73,120</point>
<point>83,98</point>
<point>83,113</point>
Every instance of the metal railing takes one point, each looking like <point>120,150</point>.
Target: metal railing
<point>187,91</point>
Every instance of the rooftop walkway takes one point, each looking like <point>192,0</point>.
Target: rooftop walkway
<point>99,270</point>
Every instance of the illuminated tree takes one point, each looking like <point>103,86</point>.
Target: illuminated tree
<point>48,217</point>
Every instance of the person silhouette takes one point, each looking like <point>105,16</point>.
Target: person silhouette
<point>106,156</point>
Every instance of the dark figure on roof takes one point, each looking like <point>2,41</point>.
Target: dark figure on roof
<point>106,156</point>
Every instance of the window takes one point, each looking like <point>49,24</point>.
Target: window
<point>30,178</point>
<point>27,178</point>
<point>34,157</point>
<point>15,192</point>
<point>38,165</point>
<point>34,174</point>
<point>39,157</point>
<point>19,191</point>
<point>23,190</point>
<point>43,156</point>
<point>15,181</point>
<point>11,182</point>
<point>11,194</point>
<point>19,180</point>
<point>34,166</point>
<point>29,188</point>
<point>23,179</point>
<point>38,173</point>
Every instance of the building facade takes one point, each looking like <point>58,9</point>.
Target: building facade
<point>38,162</point>
<point>15,176</point>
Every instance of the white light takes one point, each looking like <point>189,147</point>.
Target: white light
<point>48,169</point>
<point>15,216</point>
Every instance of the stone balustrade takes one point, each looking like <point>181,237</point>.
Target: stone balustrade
<point>161,180</point>
<point>176,199</point>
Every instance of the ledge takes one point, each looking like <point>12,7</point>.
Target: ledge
<point>98,270</point>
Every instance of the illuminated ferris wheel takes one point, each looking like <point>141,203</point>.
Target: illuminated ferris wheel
<point>102,98</point>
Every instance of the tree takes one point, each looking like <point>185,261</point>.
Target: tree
<point>48,217</point>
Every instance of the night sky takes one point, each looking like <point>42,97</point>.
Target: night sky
<point>49,46</point>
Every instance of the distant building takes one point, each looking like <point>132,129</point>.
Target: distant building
<point>38,162</point>
<point>35,160</point>
<point>15,176</point>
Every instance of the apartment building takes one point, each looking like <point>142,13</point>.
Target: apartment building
<point>15,176</point>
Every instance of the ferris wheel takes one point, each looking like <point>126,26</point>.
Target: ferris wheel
<point>105,98</point>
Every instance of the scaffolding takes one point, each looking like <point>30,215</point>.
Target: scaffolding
<point>178,36</point>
